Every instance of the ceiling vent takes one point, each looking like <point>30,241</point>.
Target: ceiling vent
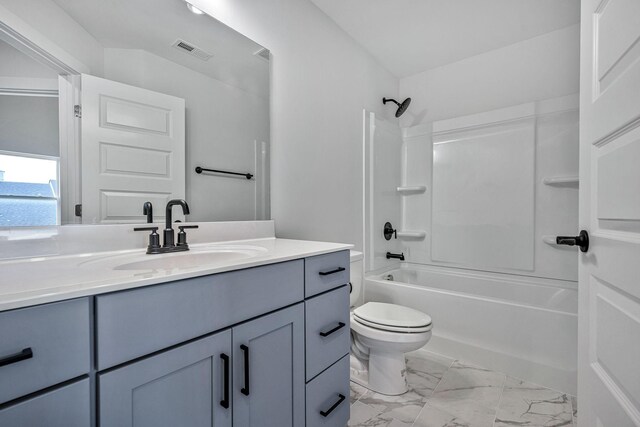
<point>263,53</point>
<point>192,50</point>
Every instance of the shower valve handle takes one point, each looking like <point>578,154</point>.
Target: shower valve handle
<point>389,231</point>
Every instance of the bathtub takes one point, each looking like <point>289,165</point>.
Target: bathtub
<point>526,327</point>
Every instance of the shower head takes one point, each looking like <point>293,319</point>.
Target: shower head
<point>401,107</point>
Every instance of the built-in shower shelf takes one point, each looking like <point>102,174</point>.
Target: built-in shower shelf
<point>415,189</point>
<point>562,181</point>
<point>412,234</point>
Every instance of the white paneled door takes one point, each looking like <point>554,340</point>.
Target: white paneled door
<point>609,343</point>
<point>133,151</point>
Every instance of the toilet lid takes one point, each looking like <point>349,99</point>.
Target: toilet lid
<point>392,315</point>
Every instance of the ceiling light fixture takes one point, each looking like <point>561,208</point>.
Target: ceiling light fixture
<point>194,9</point>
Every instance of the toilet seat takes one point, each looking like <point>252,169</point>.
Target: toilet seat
<point>392,318</point>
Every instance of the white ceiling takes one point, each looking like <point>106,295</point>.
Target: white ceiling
<point>411,36</point>
<point>154,26</point>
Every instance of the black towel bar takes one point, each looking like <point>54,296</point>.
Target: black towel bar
<point>246,175</point>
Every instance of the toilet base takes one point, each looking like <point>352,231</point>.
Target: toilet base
<point>383,373</point>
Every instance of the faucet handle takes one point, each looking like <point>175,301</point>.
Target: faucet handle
<point>145,229</point>
<point>154,238</point>
<point>182,235</point>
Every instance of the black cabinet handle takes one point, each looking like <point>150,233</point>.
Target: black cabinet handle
<point>18,357</point>
<point>334,406</point>
<point>337,270</point>
<point>245,390</point>
<point>337,328</point>
<point>225,394</point>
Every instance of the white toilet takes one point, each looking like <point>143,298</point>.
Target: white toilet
<point>381,334</point>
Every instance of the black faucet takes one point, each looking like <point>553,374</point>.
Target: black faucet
<point>396,256</point>
<point>147,209</point>
<point>169,244</point>
<point>169,238</point>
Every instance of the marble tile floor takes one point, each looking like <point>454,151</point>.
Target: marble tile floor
<point>450,393</point>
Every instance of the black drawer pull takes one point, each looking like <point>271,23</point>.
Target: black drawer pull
<point>245,390</point>
<point>18,357</point>
<point>225,396</point>
<point>334,406</point>
<point>337,328</point>
<point>337,270</point>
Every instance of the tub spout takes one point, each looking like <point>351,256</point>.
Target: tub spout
<point>396,256</point>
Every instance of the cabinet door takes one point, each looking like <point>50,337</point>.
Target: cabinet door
<point>269,385</point>
<point>184,386</point>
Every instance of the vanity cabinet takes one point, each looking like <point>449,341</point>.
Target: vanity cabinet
<point>245,348</point>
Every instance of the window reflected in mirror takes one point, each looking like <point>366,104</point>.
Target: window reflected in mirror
<point>28,191</point>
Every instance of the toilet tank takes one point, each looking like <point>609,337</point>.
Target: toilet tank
<point>357,269</point>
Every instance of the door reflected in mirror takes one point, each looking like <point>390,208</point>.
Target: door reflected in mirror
<point>124,100</point>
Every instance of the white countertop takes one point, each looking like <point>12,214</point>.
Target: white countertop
<point>31,281</point>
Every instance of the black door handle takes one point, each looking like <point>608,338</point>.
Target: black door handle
<point>245,390</point>
<point>337,270</point>
<point>225,380</point>
<point>334,406</point>
<point>337,328</point>
<point>582,240</point>
<point>18,357</point>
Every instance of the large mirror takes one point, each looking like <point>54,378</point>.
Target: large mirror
<point>108,104</point>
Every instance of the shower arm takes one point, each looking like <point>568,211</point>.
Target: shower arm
<point>385,100</point>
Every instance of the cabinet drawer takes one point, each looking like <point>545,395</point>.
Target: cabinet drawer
<point>328,397</point>
<point>135,323</point>
<point>66,406</point>
<point>43,346</point>
<point>325,272</point>
<point>327,329</point>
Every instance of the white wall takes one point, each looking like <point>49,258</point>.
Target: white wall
<point>57,27</point>
<point>223,123</point>
<point>321,80</point>
<point>539,68</point>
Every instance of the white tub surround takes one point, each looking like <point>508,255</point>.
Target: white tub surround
<point>523,326</point>
<point>513,171</point>
<point>69,262</point>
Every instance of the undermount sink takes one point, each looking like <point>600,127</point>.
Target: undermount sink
<point>194,258</point>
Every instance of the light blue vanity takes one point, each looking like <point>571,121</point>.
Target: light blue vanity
<point>261,346</point>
